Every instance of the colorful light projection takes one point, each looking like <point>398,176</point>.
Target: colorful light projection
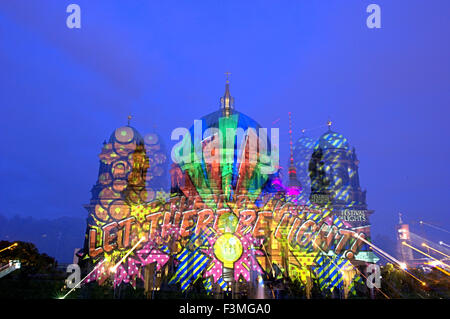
<point>123,164</point>
<point>219,246</point>
<point>156,178</point>
<point>125,175</point>
<point>227,157</point>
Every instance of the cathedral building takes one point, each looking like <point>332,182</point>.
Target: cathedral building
<point>214,170</point>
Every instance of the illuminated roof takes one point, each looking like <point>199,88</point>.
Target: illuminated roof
<point>304,143</point>
<point>332,140</point>
<point>126,135</point>
<point>243,121</point>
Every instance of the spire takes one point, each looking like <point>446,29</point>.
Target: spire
<point>400,221</point>
<point>129,119</point>
<point>293,181</point>
<point>329,124</point>
<point>227,74</point>
<point>227,101</point>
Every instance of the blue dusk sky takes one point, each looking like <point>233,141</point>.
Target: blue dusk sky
<point>64,91</point>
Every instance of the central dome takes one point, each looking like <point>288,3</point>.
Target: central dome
<point>226,153</point>
<point>241,120</point>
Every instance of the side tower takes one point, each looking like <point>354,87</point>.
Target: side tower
<point>121,182</point>
<point>334,173</point>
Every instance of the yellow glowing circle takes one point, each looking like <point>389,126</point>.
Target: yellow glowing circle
<point>228,249</point>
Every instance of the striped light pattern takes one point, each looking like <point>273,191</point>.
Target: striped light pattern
<point>192,262</point>
<point>330,272</point>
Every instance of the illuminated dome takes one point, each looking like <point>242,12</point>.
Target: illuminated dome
<point>241,121</point>
<point>218,155</point>
<point>227,111</point>
<point>238,121</point>
<point>332,140</point>
<point>303,144</point>
<point>158,161</point>
<point>303,149</point>
<point>126,135</point>
<point>227,117</point>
